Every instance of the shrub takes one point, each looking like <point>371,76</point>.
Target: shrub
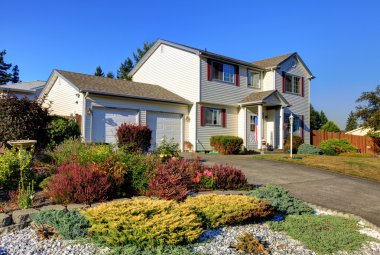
<point>9,169</point>
<point>23,119</point>
<point>117,173</point>
<point>309,149</point>
<point>330,126</point>
<point>226,144</point>
<point>172,180</point>
<point>78,184</point>
<point>281,200</point>
<point>68,224</point>
<point>297,141</point>
<point>61,129</point>
<point>228,177</point>
<point>249,244</point>
<point>323,234</point>
<point>143,222</point>
<point>158,250</point>
<point>337,146</point>
<point>168,150</point>
<point>218,210</point>
<point>136,137</point>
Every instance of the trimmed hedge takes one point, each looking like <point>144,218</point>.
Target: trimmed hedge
<point>135,138</point>
<point>226,144</point>
<point>337,146</point>
<point>308,149</point>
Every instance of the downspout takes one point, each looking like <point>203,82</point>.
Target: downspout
<point>84,114</point>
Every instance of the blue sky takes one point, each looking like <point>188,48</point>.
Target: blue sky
<point>338,40</point>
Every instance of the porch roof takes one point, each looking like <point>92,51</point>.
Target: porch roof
<point>264,97</point>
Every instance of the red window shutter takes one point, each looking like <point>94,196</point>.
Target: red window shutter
<point>224,118</point>
<point>283,82</point>
<point>302,127</point>
<point>202,116</point>
<point>302,87</point>
<point>209,70</point>
<point>237,75</point>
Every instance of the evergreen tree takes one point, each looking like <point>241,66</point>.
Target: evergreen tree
<point>315,119</point>
<point>141,52</point>
<point>99,72</point>
<point>351,122</point>
<point>15,74</point>
<point>110,75</point>
<point>124,70</point>
<point>330,126</point>
<point>324,118</point>
<point>5,76</point>
<point>370,113</point>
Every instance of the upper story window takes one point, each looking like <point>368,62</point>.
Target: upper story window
<point>213,116</point>
<point>292,84</point>
<point>254,79</point>
<point>223,72</point>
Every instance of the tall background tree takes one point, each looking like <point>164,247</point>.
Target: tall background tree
<point>99,72</point>
<point>351,123</point>
<point>15,74</point>
<point>324,118</point>
<point>110,75</point>
<point>315,119</point>
<point>5,75</point>
<point>369,113</point>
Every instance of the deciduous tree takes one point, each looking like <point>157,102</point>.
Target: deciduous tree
<point>369,113</point>
<point>330,126</point>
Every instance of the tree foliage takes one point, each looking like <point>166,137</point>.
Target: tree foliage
<point>15,74</point>
<point>110,75</point>
<point>330,126</point>
<point>315,119</point>
<point>141,52</point>
<point>99,72</point>
<point>351,123</point>
<point>5,76</point>
<point>369,113</point>
<point>324,118</point>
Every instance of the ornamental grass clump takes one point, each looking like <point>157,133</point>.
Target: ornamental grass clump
<point>219,210</point>
<point>143,222</point>
<point>249,244</point>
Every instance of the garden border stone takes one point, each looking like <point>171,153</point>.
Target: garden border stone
<point>23,216</point>
<point>5,220</point>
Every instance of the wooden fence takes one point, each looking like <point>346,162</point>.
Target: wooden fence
<point>365,144</point>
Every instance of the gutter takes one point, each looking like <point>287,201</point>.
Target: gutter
<point>84,114</point>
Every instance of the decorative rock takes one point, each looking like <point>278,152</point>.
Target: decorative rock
<point>23,216</point>
<point>52,207</point>
<point>72,207</point>
<point>5,220</point>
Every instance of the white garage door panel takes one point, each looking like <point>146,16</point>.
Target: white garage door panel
<point>164,124</point>
<point>105,121</point>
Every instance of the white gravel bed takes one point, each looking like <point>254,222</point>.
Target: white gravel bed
<point>25,242</point>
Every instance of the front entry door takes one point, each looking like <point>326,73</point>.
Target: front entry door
<point>252,129</point>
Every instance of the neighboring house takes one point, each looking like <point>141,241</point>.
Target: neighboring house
<point>30,90</point>
<point>197,94</point>
<point>362,131</point>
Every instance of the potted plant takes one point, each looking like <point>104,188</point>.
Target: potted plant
<point>188,146</point>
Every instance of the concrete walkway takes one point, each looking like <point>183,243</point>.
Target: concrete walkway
<point>316,186</point>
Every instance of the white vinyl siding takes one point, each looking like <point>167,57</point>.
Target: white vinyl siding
<point>204,133</point>
<point>173,69</point>
<point>143,106</point>
<point>64,99</point>
<point>299,105</point>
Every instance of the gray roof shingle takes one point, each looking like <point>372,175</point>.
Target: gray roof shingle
<point>122,88</point>
<point>261,96</point>
<point>28,87</point>
<point>272,62</point>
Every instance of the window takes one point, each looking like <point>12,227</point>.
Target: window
<point>213,117</point>
<point>292,84</point>
<point>223,72</point>
<point>254,79</point>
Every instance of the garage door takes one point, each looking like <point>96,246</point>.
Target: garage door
<point>164,124</point>
<point>105,121</point>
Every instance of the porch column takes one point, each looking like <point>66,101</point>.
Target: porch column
<point>260,125</point>
<point>281,129</point>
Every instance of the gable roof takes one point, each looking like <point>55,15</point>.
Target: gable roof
<point>26,87</point>
<point>122,88</point>
<point>260,97</point>
<point>273,62</point>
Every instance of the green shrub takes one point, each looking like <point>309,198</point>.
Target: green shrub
<point>297,141</point>
<point>337,146</point>
<point>168,150</point>
<point>61,129</point>
<point>143,222</point>
<point>158,250</point>
<point>309,149</point>
<point>330,126</point>
<point>226,144</point>
<point>281,200</point>
<point>249,244</point>
<point>219,210</point>
<point>44,183</point>
<point>323,234</point>
<point>9,169</point>
<point>68,224</point>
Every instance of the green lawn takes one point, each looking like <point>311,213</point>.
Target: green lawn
<point>365,166</point>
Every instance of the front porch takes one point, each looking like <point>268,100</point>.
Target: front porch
<point>261,121</point>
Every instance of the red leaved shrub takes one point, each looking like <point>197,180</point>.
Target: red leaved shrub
<point>228,177</point>
<point>174,179</point>
<point>135,138</point>
<point>74,183</point>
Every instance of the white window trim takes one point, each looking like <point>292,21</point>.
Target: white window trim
<point>222,80</point>
<point>293,84</point>
<point>248,78</point>
<point>214,110</point>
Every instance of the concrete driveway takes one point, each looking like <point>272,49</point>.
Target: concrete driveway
<point>316,186</point>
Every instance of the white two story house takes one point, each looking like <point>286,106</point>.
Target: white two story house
<point>190,94</point>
